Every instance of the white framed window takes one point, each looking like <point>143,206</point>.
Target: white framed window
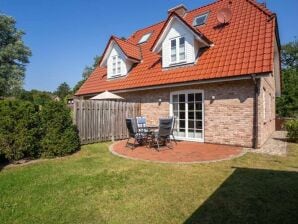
<point>116,65</point>
<point>178,50</point>
<point>200,19</point>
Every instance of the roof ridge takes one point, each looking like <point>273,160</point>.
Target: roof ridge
<point>204,6</point>
<point>261,8</point>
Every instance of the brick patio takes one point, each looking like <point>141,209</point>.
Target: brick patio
<point>183,152</point>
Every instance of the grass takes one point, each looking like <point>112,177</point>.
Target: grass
<point>93,186</point>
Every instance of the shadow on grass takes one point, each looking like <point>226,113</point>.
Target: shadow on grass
<point>252,196</point>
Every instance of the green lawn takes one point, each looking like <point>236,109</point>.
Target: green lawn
<point>93,186</point>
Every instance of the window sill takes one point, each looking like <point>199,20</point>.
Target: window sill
<point>177,63</point>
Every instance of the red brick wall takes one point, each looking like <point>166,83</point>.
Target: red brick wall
<point>228,118</point>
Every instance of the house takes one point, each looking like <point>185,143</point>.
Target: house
<point>215,68</point>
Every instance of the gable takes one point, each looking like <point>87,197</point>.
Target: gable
<point>175,24</point>
<point>242,47</point>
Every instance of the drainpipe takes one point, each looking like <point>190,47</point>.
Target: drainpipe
<point>256,82</point>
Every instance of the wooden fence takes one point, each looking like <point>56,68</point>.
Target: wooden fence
<point>103,120</point>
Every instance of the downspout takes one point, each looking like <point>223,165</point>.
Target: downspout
<point>256,82</point>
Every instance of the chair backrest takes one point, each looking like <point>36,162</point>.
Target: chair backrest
<point>141,123</point>
<point>165,127</point>
<point>131,126</point>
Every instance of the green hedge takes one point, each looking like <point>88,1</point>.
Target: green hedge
<point>292,128</point>
<point>19,129</point>
<point>31,131</point>
<point>60,136</point>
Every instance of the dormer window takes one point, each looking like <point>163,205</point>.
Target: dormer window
<point>144,38</point>
<point>200,20</point>
<point>116,65</point>
<point>178,50</point>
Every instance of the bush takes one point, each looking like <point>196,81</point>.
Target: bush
<point>19,130</point>
<point>60,136</point>
<point>292,128</point>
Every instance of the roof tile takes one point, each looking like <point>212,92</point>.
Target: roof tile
<point>244,46</point>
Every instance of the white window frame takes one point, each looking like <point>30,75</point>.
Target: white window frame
<point>186,113</point>
<point>206,14</point>
<point>177,53</point>
<point>116,66</point>
<point>145,38</point>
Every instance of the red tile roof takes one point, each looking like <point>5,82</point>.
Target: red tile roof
<point>244,46</point>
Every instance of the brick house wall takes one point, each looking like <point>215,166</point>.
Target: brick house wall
<point>228,118</point>
<point>266,104</point>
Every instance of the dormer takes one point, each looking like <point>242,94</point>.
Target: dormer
<point>178,42</point>
<point>119,57</point>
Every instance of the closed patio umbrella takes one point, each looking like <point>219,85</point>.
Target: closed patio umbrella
<point>106,95</point>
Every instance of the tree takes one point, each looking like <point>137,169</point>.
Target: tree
<point>63,90</point>
<point>287,104</point>
<point>14,55</point>
<point>86,73</point>
<point>37,97</point>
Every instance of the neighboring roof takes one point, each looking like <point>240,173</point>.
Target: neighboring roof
<point>244,46</point>
<point>195,32</point>
<point>130,50</point>
<point>106,95</point>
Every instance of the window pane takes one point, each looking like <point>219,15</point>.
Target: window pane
<point>181,48</point>
<point>182,115</point>
<point>173,58</point>
<point>173,43</point>
<point>175,106</point>
<point>175,98</point>
<point>198,115</point>
<point>191,133</point>
<point>198,106</point>
<point>181,98</point>
<point>181,132</point>
<point>198,124</point>
<point>175,113</point>
<point>181,41</point>
<point>182,106</point>
<point>191,124</point>
<point>191,106</point>
<point>198,96</point>
<point>191,115</point>
<point>182,123</point>
<point>198,134</point>
<point>191,97</point>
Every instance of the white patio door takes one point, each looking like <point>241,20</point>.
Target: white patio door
<point>188,109</point>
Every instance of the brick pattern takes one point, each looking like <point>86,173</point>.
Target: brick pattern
<point>266,123</point>
<point>228,118</point>
<point>183,152</point>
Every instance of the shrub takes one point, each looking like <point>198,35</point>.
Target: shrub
<point>19,129</point>
<point>292,128</point>
<point>60,136</point>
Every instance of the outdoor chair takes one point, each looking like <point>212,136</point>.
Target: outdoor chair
<point>162,136</point>
<point>141,124</point>
<point>133,132</point>
<point>172,131</point>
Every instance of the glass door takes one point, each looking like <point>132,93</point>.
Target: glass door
<point>187,107</point>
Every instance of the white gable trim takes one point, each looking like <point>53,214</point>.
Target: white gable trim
<point>108,52</point>
<point>157,47</point>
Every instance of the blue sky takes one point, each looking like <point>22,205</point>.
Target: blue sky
<point>64,36</point>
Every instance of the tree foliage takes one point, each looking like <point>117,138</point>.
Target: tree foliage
<point>287,104</point>
<point>19,129</point>
<point>86,73</point>
<point>60,135</point>
<point>63,90</point>
<point>14,55</point>
<point>35,96</point>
